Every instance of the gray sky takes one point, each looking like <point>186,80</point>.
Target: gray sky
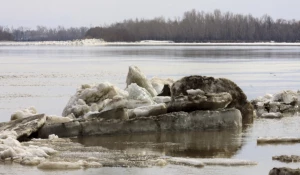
<point>52,13</point>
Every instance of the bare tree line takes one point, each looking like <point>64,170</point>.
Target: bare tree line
<point>5,34</point>
<point>197,26</point>
<point>193,26</point>
<point>42,33</point>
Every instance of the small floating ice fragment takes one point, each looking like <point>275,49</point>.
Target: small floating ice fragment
<point>187,161</point>
<point>272,115</point>
<point>228,162</point>
<point>274,140</point>
<point>211,162</point>
<point>60,165</point>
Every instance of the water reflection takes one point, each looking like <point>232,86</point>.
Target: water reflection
<point>221,144</point>
<point>208,53</point>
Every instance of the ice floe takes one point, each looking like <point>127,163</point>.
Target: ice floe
<point>270,140</point>
<point>198,162</point>
<point>281,104</point>
<point>135,75</point>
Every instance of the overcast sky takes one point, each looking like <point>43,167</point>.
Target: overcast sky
<point>51,13</point>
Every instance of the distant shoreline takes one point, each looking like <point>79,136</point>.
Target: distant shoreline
<point>97,42</point>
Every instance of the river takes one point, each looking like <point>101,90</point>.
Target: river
<point>46,77</point>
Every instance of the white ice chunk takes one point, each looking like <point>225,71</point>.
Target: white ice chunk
<point>23,113</point>
<point>160,162</point>
<point>115,103</point>
<point>187,161</point>
<point>138,93</point>
<point>8,153</point>
<point>7,134</point>
<point>227,162</point>
<point>262,140</point>
<point>146,111</point>
<point>91,164</point>
<point>135,75</point>
<point>195,92</point>
<point>162,99</point>
<point>286,97</point>
<point>212,162</point>
<point>31,161</point>
<point>268,96</point>
<point>35,151</point>
<point>51,119</point>
<point>11,142</point>
<point>81,102</point>
<point>59,165</point>
<point>94,108</point>
<point>49,151</point>
<point>272,115</point>
<point>52,136</point>
<point>92,98</point>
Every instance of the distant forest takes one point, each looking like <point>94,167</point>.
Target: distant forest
<point>42,33</point>
<point>193,26</point>
<point>197,26</point>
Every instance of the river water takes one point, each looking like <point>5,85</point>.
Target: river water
<point>46,77</point>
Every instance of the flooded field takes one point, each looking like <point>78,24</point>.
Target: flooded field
<point>46,77</point>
